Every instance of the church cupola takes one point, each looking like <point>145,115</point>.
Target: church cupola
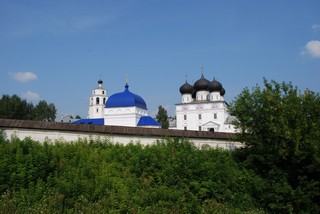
<point>186,88</point>
<point>201,84</point>
<point>100,83</point>
<point>214,86</point>
<point>216,90</point>
<point>186,91</point>
<point>201,88</point>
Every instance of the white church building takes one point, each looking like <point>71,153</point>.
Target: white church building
<point>120,109</point>
<point>203,107</point>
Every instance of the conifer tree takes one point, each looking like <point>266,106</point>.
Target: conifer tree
<point>162,117</point>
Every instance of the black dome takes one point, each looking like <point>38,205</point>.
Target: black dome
<point>201,84</point>
<point>214,86</point>
<point>186,88</point>
<point>100,81</point>
<point>222,92</point>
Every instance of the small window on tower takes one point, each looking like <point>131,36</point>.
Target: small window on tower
<point>185,117</point>
<point>185,128</point>
<point>97,101</point>
<point>215,116</point>
<point>199,116</point>
<point>102,92</point>
<point>199,128</point>
<point>104,101</point>
<point>97,110</point>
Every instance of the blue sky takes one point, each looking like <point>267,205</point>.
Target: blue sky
<point>57,50</point>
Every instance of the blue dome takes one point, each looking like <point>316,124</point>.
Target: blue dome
<point>125,99</point>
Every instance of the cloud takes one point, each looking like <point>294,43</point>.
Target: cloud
<point>23,76</point>
<point>315,27</point>
<point>312,49</point>
<point>31,96</point>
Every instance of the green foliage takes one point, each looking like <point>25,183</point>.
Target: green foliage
<point>87,176</point>
<point>43,111</point>
<point>280,127</point>
<point>13,107</point>
<point>162,117</point>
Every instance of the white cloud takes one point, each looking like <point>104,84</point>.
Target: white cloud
<point>315,27</point>
<point>23,76</point>
<point>31,96</point>
<point>312,49</point>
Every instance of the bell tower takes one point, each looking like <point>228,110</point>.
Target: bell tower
<point>98,100</point>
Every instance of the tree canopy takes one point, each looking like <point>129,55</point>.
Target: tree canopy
<point>13,107</point>
<point>280,127</point>
<point>93,176</point>
<point>162,117</point>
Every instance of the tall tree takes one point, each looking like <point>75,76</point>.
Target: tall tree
<point>162,117</point>
<point>46,112</point>
<point>13,107</point>
<point>279,126</point>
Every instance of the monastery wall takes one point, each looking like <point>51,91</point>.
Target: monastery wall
<point>53,131</point>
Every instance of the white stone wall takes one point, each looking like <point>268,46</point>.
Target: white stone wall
<point>69,136</point>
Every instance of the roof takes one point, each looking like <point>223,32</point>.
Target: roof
<point>93,121</point>
<point>147,121</point>
<point>125,99</point>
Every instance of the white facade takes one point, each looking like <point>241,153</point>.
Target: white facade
<point>98,100</point>
<point>203,107</point>
<point>205,116</point>
<point>123,116</point>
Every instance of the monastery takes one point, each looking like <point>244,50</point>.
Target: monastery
<point>202,108</point>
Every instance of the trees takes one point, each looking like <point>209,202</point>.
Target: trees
<point>92,176</point>
<point>280,127</point>
<point>43,111</point>
<point>13,107</point>
<point>162,117</point>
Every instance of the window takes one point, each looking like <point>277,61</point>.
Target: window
<point>199,116</point>
<point>185,128</point>
<point>102,92</point>
<point>215,116</point>
<point>97,101</point>
<point>199,128</point>
<point>97,110</point>
<point>104,101</point>
<point>185,117</point>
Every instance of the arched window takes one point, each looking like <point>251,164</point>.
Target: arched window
<point>104,101</point>
<point>97,100</point>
